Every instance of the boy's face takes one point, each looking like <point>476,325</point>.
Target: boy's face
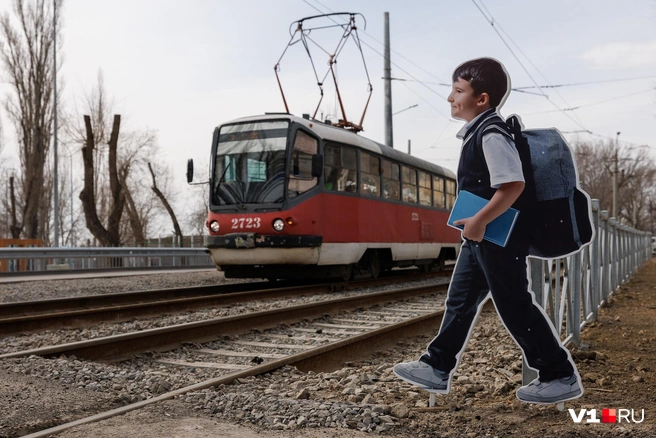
<point>465,105</point>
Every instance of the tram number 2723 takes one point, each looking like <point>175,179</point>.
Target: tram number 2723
<point>249,222</point>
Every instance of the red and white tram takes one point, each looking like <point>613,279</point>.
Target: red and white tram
<point>292,197</point>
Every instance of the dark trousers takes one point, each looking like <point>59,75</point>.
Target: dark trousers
<point>484,268</point>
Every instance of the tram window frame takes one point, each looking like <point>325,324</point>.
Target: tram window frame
<point>427,177</point>
<point>390,184</point>
<point>372,170</point>
<point>405,195</point>
<point>439,191</point>
<point>332,169</point>
<point>450,193</point>
<point>303,181</point>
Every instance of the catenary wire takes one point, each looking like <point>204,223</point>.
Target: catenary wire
<point>586,83</point>
<point>491,20</point>
<point>593,103</point>
<point>529,60</point>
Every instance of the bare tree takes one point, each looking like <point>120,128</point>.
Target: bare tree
<point>108,236</point>
<point>636,180</point>
<point>14,228</point>
<point>637,186</point>
<point>167,205</point>
<point>594,163</point>
<point>107,168</point>
<point>135,219</point>
<point>27,55</point>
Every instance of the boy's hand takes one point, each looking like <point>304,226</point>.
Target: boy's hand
<point>473,228</point>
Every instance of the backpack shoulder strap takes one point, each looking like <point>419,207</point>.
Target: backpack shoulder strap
<point>515,126</point>
<point>498,126</point>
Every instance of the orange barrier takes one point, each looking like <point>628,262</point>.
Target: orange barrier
<point>18,243</point>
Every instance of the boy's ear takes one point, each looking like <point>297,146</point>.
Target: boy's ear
<point>483,99</point>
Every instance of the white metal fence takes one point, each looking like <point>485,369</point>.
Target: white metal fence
<point>32,260</point>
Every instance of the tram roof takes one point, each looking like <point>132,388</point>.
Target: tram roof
<point>341,135</point>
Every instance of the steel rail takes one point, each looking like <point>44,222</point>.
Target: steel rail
<point>167,338</point>
<point>80,311</point>
<point>323,358</point>
<point>35,307</point>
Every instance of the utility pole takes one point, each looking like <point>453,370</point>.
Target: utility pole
<point>387,81</point>
<point>615,171</point>
<point>72,237</point>
<point>54,79</point>
<point>409,147</point>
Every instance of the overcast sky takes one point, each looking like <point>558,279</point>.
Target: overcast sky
<point>183,67</point>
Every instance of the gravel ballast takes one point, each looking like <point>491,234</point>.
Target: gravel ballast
<point>362,396</point>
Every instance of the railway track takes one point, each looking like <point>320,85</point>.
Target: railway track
<point>167,338</point>
<point>29,316</point>
<point>318,337</point>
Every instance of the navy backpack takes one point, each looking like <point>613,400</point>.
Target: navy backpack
<point>561,211</point>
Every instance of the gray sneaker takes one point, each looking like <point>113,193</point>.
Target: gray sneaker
<point>553,391</point>
<point>423,375</point>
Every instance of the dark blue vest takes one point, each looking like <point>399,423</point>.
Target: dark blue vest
<point>474,176</point>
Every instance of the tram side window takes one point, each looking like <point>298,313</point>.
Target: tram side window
<point>340,169</point>
<point>425,189</point>
<point>450,193</point>
<point>370,174</point>
<point>409,185</point>
<point>300,172</point>
<point>391,184</point>
<point>438,192</point>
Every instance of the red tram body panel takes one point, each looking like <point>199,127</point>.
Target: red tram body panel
<point>293,197</point>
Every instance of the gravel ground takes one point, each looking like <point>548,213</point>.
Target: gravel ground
<point>362,397</point>
<point>50,289</point>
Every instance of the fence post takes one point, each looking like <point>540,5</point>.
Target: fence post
<point>536,285</point>
<point>595,293</point>
<point>556,316</point>
<point>631,237</point>
<point>625,254</point>
<point>574,303</point>
<point>605,272</point>
<point>614,259</point>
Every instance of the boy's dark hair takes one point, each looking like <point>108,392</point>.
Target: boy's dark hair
<point>485,75</point>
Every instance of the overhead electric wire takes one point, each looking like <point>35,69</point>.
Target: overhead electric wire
<point>491,20</point>
<point>427,102</point>
<point>564,111</point>
<point>531,62</point>
<point>587,83</point>
<point>523,89</point>
<point>492,23</point>
<point>593,103</point>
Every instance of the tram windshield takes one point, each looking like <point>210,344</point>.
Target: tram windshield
<point>250,163</point>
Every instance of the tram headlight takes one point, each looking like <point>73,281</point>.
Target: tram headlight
<point>214,226</point>
<point>278,224</point>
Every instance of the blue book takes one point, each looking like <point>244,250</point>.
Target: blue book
<point>498,231</point>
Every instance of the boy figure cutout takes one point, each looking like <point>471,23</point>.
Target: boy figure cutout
<point>492,170</point>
